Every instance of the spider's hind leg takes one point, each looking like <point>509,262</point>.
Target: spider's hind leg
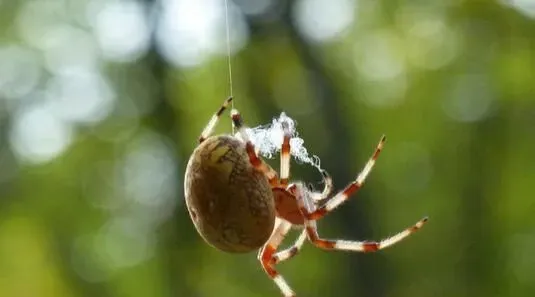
<point>345,245</point>
<point>359,246</point>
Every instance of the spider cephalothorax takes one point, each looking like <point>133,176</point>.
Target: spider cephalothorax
<point>238,203</point>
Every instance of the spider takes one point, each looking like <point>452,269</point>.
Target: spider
<point>238,203</point>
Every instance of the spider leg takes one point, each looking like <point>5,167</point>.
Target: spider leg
<point>327,188</point>
<point>256,161</point>
<point>265,256</point>
<point>270,173</point>
<point>285,156</point>
<point>350,189</point>
<point>328,181</point>
<point>345,245</point>
<point>290,252</point>
<point>213,121</point>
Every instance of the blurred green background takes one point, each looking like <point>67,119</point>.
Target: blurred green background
<point>102,101</point>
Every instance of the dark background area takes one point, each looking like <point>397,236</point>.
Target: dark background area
<point>102,102</point>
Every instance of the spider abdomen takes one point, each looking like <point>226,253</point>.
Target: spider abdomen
<point>230,203</point>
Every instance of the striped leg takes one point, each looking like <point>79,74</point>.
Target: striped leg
<point>328,185</point>
<point>213,121</point>
<point>355,246</point>
<point>327,189</point>
<point>291,251</point>
<point>257,162</point>
<point>352,188</point>
<point>267,252</point>
<point>285,156</point>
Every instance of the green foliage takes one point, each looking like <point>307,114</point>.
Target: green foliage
<point>451,85</point>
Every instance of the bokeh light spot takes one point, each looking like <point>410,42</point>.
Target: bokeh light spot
<point>323,20</point>
<point>431,43</point>
<point>36,18</point>
<point>380,61</point>
<point>525,7</point>
<point>19,71</point>
<point>122,30</point>
<point>37,135</point>
<point>147,174</point>
<point>121,247</point>
<point>189,32</point>
<point>68,49</point>
<point>470,99</point>
<point>81,98</point>
<point>379,57</point>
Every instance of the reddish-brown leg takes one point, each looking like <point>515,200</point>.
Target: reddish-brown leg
<point>290,252</point>
<point>327,188</point>
<point>344,245</point>
<point>256,161</point>
<point>352,188</point>
<point>209,129</point>
<point>267,252</point>
<point>285,156</point>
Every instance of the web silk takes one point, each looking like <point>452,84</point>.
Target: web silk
<point>268,141</point>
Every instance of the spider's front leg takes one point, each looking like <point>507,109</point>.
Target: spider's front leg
<point>304,203</point>
<point>209,129</point>
<point>256,161</point>
<point>285,153</point>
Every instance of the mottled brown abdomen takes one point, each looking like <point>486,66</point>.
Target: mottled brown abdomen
<point>230,203</point>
